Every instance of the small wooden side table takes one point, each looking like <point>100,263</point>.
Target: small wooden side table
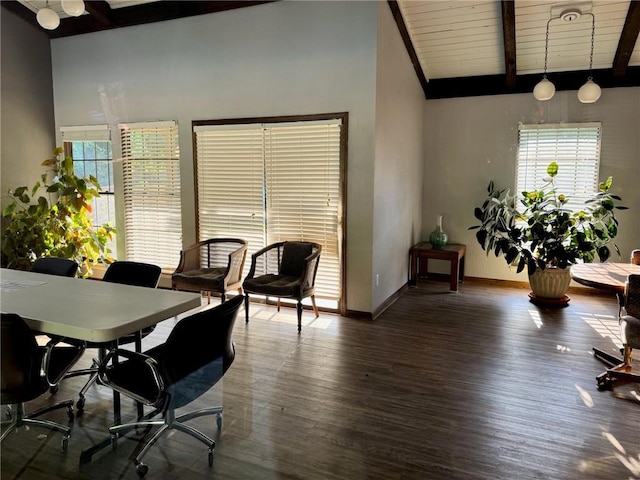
<point>423,251</point>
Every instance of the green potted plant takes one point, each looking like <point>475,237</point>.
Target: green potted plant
<point>536,230</point>
<point>52,218</point>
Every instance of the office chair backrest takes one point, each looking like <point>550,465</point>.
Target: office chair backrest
<point>62,267</point>
<point>632,300</point>
<point>201,339</point>
<point>133,273</point>
<point>19,358</point>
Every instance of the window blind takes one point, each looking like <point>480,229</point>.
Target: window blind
<point>86,133</point>
<point>302,185</point>
<point>151,191</point>
<point>576,150</point>
<point>273,182</point>
<point>229,171</point>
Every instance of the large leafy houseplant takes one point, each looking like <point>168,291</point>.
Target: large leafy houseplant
<point>52,218</point>
<point>543,232</point>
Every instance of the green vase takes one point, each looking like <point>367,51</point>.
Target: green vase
<point>438,238</point>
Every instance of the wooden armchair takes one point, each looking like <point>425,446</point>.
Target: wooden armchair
<point>284,270</point>
<point>213,265</point>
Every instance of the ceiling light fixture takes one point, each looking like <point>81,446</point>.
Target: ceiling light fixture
<point>544,89</point>
<point>74,8</point>
<point>590,91</point>
<point>48,18</point>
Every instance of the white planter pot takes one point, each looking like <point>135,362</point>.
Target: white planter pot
<point>550,282</point>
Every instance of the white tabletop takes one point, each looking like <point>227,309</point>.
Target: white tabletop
<point>87,309</point>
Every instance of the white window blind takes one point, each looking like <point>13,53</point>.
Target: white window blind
<point>576,150</point>
<point>273,182</point>
<point>229,163</point>
<point>302,179</point>
<point>86,133</point>
<point>151,190</point>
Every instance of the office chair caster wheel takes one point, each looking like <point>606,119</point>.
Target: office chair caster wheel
<point>80,404</point>
<point>53,389</point>
<point>65,443</point>
<point>219,422</point>
<point>211,458</point>
<point>141,469</point>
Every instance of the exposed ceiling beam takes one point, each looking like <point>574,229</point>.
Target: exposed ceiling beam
<point>494,84</point>
<point>99,10</point>
<point>509,41</point>
<point>408,44</point>
<point>628,39</point>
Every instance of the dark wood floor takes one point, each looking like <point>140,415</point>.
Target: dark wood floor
<point>476,385</point>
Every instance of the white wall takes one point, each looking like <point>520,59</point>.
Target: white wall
<point>470,141</point>
<point>399,161</point>
<point>283,58</point>
<point>26,103</point>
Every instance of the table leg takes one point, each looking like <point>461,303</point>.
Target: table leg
<point>413,278</point>
<point>462,270</point>
<point>453,277</point>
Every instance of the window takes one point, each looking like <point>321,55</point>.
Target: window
<point>269,182</point>
<point>90,148</point>
<point>151,191</point>
<point>576,150</point>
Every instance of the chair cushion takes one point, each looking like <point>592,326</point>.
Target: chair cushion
<point>293,255</point>
<point>274,285</point>
<point>203,278</point>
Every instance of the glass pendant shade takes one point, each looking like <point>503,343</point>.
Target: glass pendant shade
<point>544,90</point>
<point>589,92</point>
<point>48,18</point>
<point>74,8</point>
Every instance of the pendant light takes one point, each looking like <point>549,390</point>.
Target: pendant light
<point>590,92</point>
<point>73,8</point>
<point>544,89</point>
<point>48,18</point>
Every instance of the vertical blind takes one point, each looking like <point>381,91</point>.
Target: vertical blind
<point>273,182</point>
<point>576,150</point>
<point>151,190</point>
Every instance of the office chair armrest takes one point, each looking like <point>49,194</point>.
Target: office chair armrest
<point>135,360</point>
<point>77,346</point>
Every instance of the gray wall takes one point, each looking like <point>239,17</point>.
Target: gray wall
<point>399,160</point>
<point>26,102</point>
<point>470,141</point>
<point>284,58</point>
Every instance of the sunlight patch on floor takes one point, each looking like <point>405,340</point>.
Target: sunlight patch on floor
<point>606,325</point>
<point>284,316</point>
<point>535,316</point>
<point>586,397</point>
<point>627,459</point>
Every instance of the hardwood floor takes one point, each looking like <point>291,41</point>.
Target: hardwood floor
<point>476,385</point>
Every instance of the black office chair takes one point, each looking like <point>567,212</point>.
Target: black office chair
<point>196,354</point>
<point>284,270</point>
<point>28,370</point>
<point>128,273</point>
<point>62,267</point>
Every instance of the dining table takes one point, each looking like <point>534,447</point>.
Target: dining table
<point>89,310</point>
<point>610,277</point>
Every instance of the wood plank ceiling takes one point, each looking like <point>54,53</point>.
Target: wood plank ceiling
<point>458,47</point>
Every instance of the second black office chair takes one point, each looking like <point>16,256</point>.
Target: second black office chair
<point>128,273</point>
<point>195,356</point>
<point>62,267</point>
